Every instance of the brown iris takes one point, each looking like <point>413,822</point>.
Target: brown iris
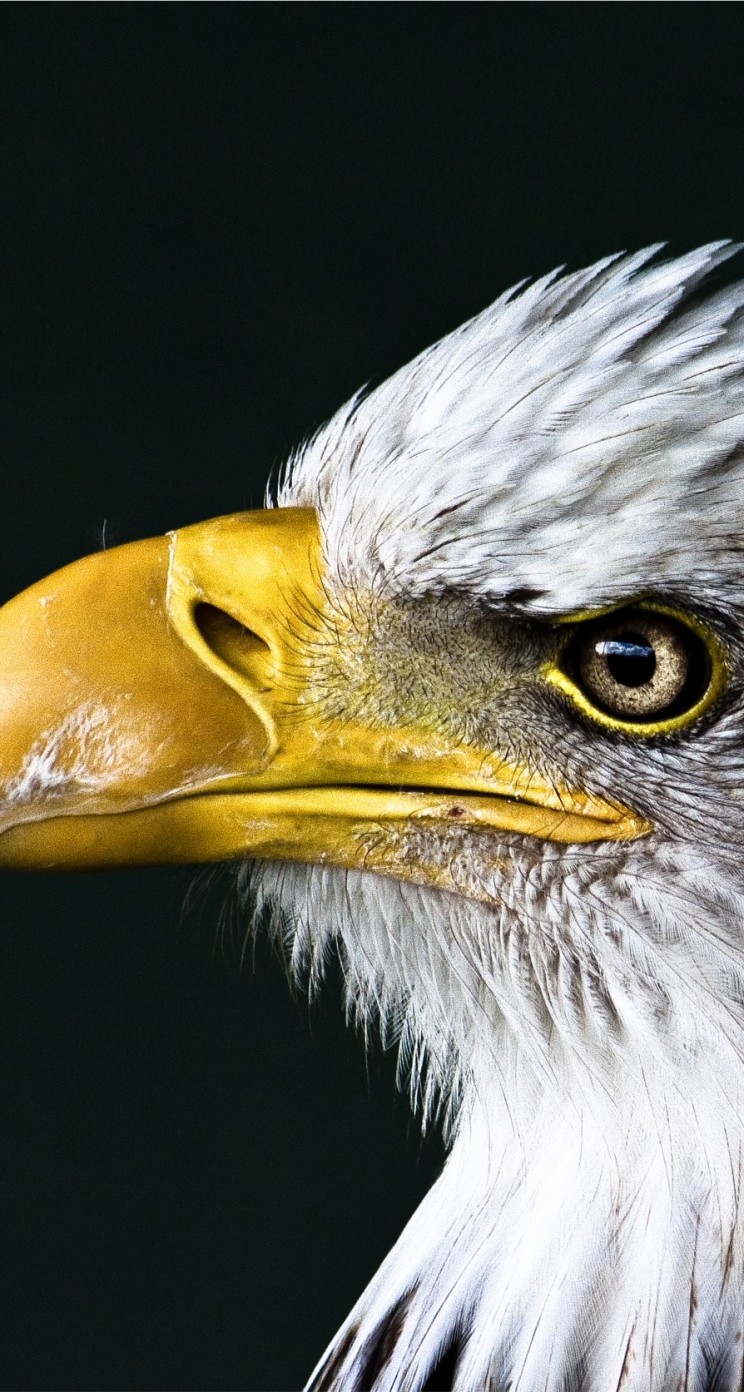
<point>639,666</point>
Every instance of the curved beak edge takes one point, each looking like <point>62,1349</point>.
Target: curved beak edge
<point>153,708</point>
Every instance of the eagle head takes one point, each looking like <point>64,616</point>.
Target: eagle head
<point>464,703</point>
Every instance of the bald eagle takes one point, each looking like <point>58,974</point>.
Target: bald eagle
<point>465,702</point>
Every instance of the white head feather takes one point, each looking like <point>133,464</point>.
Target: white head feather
<point>560,441</point>
<point>578,444</point>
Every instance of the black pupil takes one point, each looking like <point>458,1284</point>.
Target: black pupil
<point>631,659</point>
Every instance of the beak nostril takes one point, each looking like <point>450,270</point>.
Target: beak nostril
<point>230,640</point>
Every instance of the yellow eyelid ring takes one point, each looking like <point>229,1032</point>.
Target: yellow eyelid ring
<point>554,673</point>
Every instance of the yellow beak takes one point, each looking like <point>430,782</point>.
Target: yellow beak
<point>160,702</point>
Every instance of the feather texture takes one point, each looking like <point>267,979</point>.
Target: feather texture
<point>582,434</point>
<point>575,1014</point>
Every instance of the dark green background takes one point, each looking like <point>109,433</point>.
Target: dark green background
<point>217,222</point>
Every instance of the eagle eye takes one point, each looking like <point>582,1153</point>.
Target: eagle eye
<point>642,668</point>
